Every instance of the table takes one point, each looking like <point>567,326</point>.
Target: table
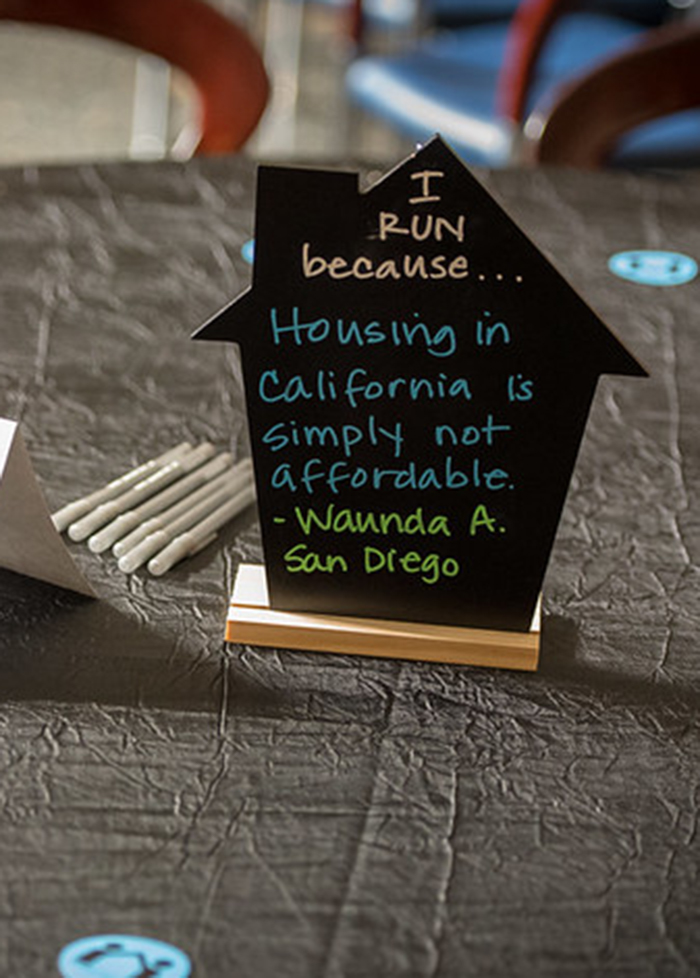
<point>290,814</point>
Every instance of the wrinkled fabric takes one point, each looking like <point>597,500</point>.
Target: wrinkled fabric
<point>279,813</point>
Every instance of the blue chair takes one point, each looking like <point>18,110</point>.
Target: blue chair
<point>640,106</point>
<point>475,86</point>
<point>458,13</point>
<point>388,14</point>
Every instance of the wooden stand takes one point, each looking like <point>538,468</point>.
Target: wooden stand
<point>253,622</point>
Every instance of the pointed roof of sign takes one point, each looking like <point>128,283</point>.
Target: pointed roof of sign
<point>327,209</point>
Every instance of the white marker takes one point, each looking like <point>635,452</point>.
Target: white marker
<point>194,540</point>
<point>230,481</point>
<point>161,520</point>
<point>141,491</point>
<point>71,512</point>
<point>129,520</point>
<point>157,541</point>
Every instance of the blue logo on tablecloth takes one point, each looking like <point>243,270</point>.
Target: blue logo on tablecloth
<point>654,267</point>
<point>248,251</point>
<point>122,956</point>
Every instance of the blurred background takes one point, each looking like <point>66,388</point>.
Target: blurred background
<point>356,79</point>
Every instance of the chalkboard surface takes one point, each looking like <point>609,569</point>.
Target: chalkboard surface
<point>418,378</point>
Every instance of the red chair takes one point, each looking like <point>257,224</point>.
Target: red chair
<point>476,85</point>
<point>658,77</point>
<point>217,55</point>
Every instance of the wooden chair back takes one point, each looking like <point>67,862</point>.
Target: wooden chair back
<point>217,55</point>
<point>660,75</point>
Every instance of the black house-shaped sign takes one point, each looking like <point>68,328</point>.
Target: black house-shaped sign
<point>418,378</point>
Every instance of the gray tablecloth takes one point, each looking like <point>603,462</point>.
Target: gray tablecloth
<point>279,813</point>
